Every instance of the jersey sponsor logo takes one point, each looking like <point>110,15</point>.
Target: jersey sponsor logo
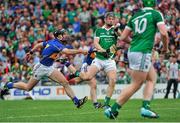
<point>54,56</point>
<point>47,46</point>
<point>112,33</point>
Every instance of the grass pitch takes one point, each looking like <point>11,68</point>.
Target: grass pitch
<point>65,111</point>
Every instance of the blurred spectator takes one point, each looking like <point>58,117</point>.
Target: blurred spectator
<point>122,77</point>
<point>20,54</point>
<point>85,19</point>
<point>173,76</point>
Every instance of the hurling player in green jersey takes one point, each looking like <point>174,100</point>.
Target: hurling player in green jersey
<point>143,24</point>
<point>105,40</point>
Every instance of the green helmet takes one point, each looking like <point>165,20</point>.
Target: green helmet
<point>149,3</point>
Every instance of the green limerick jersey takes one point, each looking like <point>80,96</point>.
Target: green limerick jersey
<point>144,26</point>
<point>106,39</point>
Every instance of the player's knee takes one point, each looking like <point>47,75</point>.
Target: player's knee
<point>93,86</point>
<point>65,84</point>
<point>112,82</point>
<point>28,88</point>
<point>86,76</point>
<point>137,85</point>
<point>151,82</point>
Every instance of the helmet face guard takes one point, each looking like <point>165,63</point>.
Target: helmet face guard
<point>63,33</point>
<point>149,3</point>
<point>108,16</point>
<point>59,32</point>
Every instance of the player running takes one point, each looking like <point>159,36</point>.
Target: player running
<point>50,52</point>
<point>143,25</point>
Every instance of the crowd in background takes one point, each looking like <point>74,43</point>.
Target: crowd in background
<point>23,23</point>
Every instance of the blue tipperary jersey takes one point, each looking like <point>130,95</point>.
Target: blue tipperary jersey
<point>51,51</point>
<point>90,57</point>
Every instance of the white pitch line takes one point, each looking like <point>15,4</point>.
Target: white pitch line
<point>46,115</point>
<point>53,115</point>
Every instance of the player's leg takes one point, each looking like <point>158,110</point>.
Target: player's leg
<point>71,68</point>
<point>138,77</point>
<point>110,69</point>
<point>20,85</point>
<point>72,77</point>
<point>112,81</point>
<point>25,86</point>
<point>95,67</point>
<point>92,70</point>
<point>147,94</point>
<point>59,77</point>
<point>138,74</point>
<point>93,94</point>
<point>149,86</point>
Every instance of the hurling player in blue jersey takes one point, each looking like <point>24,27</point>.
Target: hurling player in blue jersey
<point>50,52</point>
<point>92,83</point>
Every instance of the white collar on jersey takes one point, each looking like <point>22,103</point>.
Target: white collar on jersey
<point>106,28</point>
<point>147,8</point>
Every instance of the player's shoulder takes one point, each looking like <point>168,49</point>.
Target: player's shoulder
<point>99,29</point>
<point>156,12</point>
<point>50,41</point>
<point>137,14</point>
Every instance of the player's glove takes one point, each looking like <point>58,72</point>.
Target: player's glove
<point>106,54</point>
<point>112,49</point>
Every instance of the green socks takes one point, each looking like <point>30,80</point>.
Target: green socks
<point>77,73</point>
<point>146,104</point>
<point>107,100</point>
<point>115,107</point>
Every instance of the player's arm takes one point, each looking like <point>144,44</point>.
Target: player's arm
<point>159,19</point>
<point>74,51</point>
<point>37,46</point>
<point>164,36</point>
<point>125,35</point>
<point>97,45</point>
<point>126,32</point>
<point>96,41</point>
<point>30,53</point>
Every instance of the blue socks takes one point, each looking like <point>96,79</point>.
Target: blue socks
<point>75,100</point>
<point>9,85</point>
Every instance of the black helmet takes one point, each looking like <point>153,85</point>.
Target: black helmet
<point>59,32</point>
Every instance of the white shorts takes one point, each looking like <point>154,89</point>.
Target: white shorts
<point>84,67</point>
<point>106,65</point>
<point>139,61</point>
<point>40,71</point>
